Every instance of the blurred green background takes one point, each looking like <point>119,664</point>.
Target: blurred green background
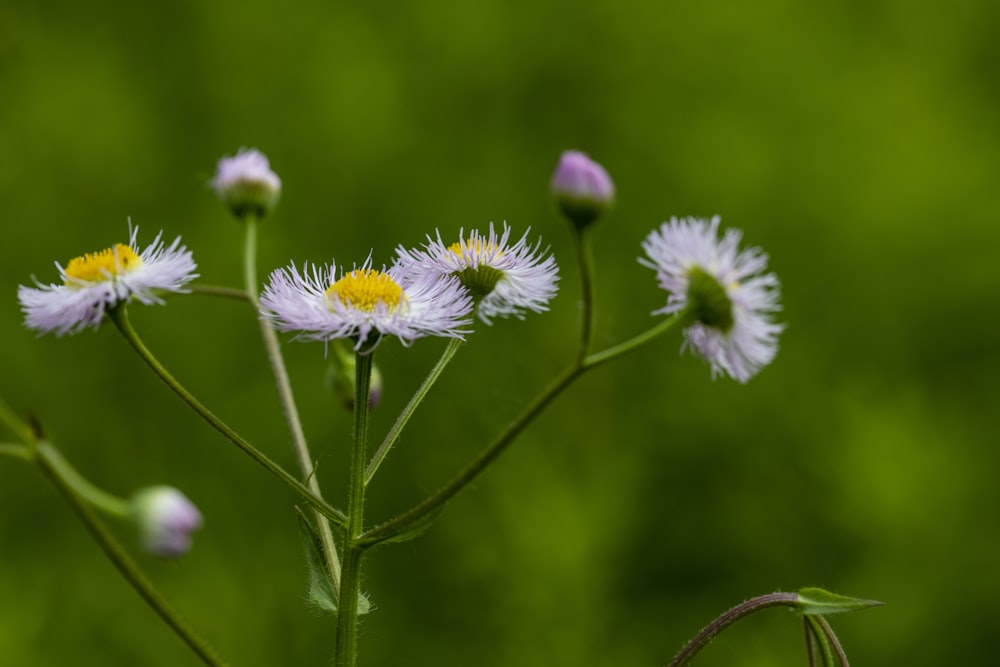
<point>856,142</point>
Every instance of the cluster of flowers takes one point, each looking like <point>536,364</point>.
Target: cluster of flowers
<point>725,294</point>
<point>434,290</point>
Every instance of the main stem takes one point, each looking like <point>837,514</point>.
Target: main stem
<point>288,405</point>
<point>350,582</point>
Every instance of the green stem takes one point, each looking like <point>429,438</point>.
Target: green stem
<point>49,461</point>
<point>408,411</point>
<point>825,637</point>
<point>585,261</point>
<point>350,584</point>
<point>725,620</point>
<point>679,319</point>
<point>119,316</point>
<point>15,425</point>
<point>434,502</point>
<point>17,451</point>
<point>486,457</point>
<point>225,292</point>
<point>288,405</point>
<point>82,488</point>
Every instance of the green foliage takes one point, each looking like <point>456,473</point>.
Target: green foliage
<point>855,142</point>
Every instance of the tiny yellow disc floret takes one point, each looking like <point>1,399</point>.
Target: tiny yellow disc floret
<point>477,245</point>
<point>102,265</point>
<point>483,279</point>
<point>365,288</point>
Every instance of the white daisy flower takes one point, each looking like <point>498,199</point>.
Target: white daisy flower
<point>503,279</point>
<point>725,290</point>
<point>246,183</point>
<point>363,304</point>
<point>94,282</point>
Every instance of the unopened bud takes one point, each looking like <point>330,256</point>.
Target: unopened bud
<point>340,379</point>
<point>246,183</point>
<point>582,188</point>
<point>166,519</point>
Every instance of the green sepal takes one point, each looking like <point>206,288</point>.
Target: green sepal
<point>819,602</point>
<point>320,593</point>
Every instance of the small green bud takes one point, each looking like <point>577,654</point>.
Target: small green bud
<point>340,379</point>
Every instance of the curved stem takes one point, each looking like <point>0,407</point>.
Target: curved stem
<point>119,316</point>
<point>598,358</point>
<point>14,424</point>
<point>288,405</point>
<point>725,620</point>
<point>100,499</point>
<point>123,562</point>
<point>16,451</point>
<point>217,290</point>
<point>474,469</point>
<point>434,502</point>
<point>350,590</point>
<point>408,411</point>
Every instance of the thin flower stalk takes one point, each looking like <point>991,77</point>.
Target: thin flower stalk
<point>120,317</point>
<point>50,462</point>
<point>404,416</point>
<point>289,407</point>
<point>433,503</point>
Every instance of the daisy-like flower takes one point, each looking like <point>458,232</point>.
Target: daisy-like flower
<point>724,288</point>
<point>246,183</point>
<point>96,281</point>
<point>364,304</point>
<point>504,279</point>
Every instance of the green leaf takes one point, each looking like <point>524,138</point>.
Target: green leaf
<point>320,593</point>
<point>818,602</point>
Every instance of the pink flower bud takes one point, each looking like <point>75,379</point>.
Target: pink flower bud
<point>166,519</point>
<point>582,188</point>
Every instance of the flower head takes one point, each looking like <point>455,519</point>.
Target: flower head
<point>723,288</point>
<point>504,279</point>
<point>246,183</point>
<point>582,188</point>
<point>94,282</point>
<point>363,304</point>
<point>166,519</point>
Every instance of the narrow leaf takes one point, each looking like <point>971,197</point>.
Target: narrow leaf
<point>816,601</point>
<point>320,592</point>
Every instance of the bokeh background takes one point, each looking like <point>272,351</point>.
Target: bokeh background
<point>857,142</point>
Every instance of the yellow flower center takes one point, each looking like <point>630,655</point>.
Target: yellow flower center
<point>366,288</point>
<point>477,245</point>
<point>482,280</point>
<point>102,265</point>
